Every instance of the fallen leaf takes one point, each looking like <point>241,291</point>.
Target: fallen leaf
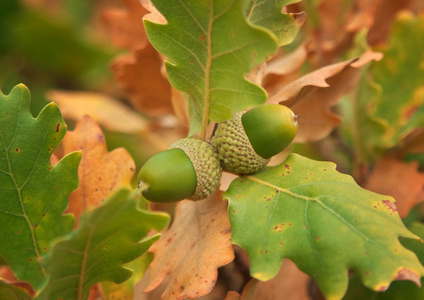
<point>100,172</point>
<point>139,75</point>
<point>312,95</point>
<point>400,180</point>
<point>126,26</point>
<point>198,242</point>
<point>103,109</point>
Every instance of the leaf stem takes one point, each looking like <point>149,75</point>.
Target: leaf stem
<point>205,119</point>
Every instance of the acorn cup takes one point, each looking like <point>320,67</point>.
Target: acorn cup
<point>246,142</point>
<point>189,169</point>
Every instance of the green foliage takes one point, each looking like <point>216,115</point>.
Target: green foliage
<point>105,239</point>
<point>33,193</point>
<point>389,101</point>
<point>267,13</point>
<point>11,292</point>
<point>210,47</point>
<point>401,76</point>
<point>306,211</point>
<point>398,290</point>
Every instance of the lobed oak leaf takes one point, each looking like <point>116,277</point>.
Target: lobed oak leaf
<point>198,242</point>
<point>125,25</point>
<point>312,95</point>
<point>400,180</point>
<point>100,172</point>
<point>106,111</point>
<point>139,75</point>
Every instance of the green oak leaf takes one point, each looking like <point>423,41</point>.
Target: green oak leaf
<point>33,193</point>
<point>267,13</point>
<point>401,76</point>
<point>105,239</point>
<point>398,290</point>
<point>323,221</point>
<point>210,46</point>
<point>11,292</point>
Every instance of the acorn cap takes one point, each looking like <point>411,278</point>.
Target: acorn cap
<point>270,128</point>
<point>206,165</point>
<point>235,150</point>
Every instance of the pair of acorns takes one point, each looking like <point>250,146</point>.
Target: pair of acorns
<point>191,168</point>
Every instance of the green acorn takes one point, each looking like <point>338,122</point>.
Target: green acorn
<point>247,141</point>
<point>189,169</point>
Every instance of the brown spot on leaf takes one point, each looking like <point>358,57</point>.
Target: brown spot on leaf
<point>181,36</point>
<point>18,232</point>
<point>202,38</point>
<point>408,274</point>
<point>287,167</point>
<point>279,227</point>
<point>58,127</point>
<point>382,288</point>
<point>17,150</point>
<point>390,205</point>
<point>367,273</point>
<point>192,61</point>
<point>232,34</point>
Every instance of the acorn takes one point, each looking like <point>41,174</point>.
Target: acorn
<point>246,142</point>
<point>189,169</point>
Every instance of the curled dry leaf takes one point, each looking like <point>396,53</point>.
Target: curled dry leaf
<point>312,95</point>
<point>400,180</point>
<point>106,111</point>
<point>125,25</point>
<point>191,251</point>
<point>283,69</point>
<point>139,75</point>
<point>100,172</point>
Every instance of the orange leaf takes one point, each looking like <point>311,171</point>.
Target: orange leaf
<point>400,180</point>
<point>312,95</point>
<point>126,25</point>
<point>105,110</point>
<point>191,251</point>
<point>100,172</point>
<point>141,79</point>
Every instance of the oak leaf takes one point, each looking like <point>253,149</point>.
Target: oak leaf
<point>125,25</point>
<point>198,242</point>
<point>100,172</point>
<point>108,112</point>
<point>400,180</point>
<point>312,95</point>
<point>139,75</point>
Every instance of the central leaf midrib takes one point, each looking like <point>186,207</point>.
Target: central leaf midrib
<point>207,93</point>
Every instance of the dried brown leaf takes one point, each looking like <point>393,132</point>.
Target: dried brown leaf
<point>400,180</point>
<point>100,172</point>
<point>139,75</point>
<point>103,109</point>
<point>284,69</point>
<point>191,251</point>
<point>126,26</point>
<point>312,96</point>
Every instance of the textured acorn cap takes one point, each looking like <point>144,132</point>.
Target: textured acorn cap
<point>235,150</point>
<point>206,165</point>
